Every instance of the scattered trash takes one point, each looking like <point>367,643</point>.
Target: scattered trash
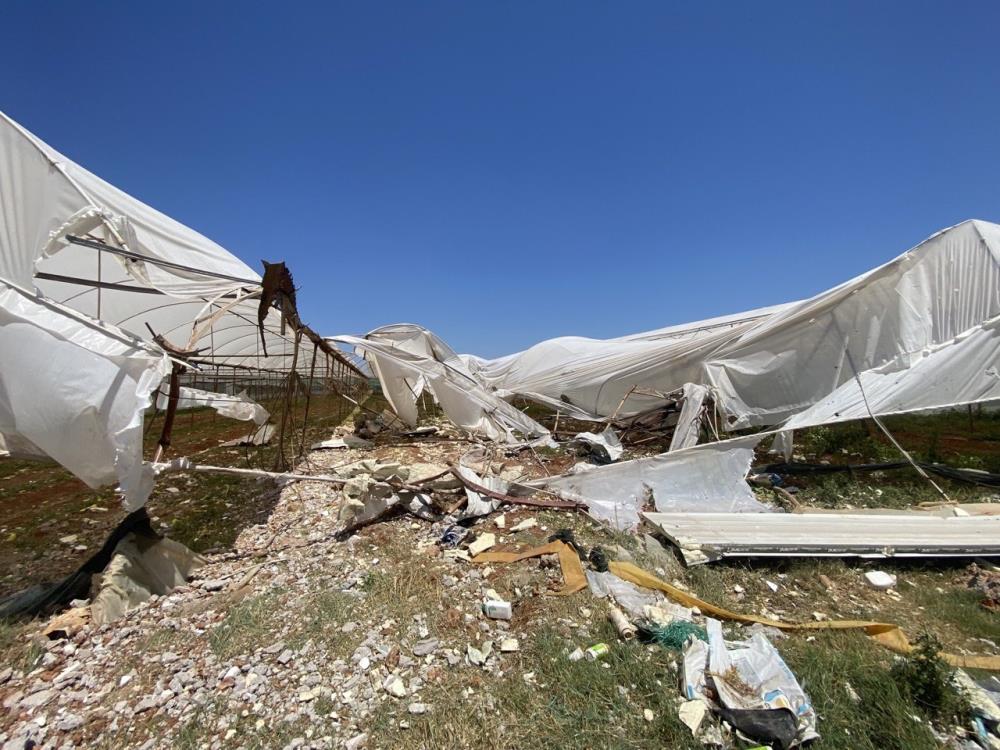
<point>984,707</point>
<point>647,714</point>
<point>626,630</point>
<point>676,634</point>
<point>776,726</point>
<point>257,437</point>
<point>596,651</point>
<point>756,691</point>
<point>453,536</point>
<point>576,655</point>
<point>878,579</point>
<point>883,633</point>
<point>772,585</point>
<point>765,480</point>
<point>627,595</point>
<point>478,656</point>
<point>509,645</point>
<point>663,613</point>
<point>693,683</point>
<point>348,441</point>
<point>497,609</point>
<point>852,693</point>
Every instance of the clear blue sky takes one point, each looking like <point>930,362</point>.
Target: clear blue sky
<point>508,172</point>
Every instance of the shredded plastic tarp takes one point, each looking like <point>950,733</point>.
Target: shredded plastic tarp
<point>240,406</point>
<point>75,392</point>
<point>705,477</point>
<point>920,331</point>
<point>141,568</point>
<point>604,447</point>
<point>408,365</point>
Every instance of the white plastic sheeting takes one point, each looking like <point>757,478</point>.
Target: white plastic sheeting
<point>74,392</point>
<point>589,378</point>
<point>689,421</point>
<point>607,444</point>
<point>240,406</point>
<point>408,360</point>
<point>45,197</point>
<point>710,476</point>
<point>920,331</point>
<point>931,311</point>
<point>78,363</point>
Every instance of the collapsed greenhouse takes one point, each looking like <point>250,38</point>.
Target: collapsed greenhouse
<point>114,316</point>
<point>107,301</point>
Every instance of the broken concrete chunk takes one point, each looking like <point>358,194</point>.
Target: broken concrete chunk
<point>482,543</point>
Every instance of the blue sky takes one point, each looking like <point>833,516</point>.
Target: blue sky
<point>508,172</point>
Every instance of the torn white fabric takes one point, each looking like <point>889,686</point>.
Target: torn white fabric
<point>689,422</point>
<point>258,436</point>
<point>606,444</point>
<point>594,379</point>
<point>920,331</point>
<point>466,403</point>
<point>709,477</point>
<point>347,441</point>
<point>240,406</point>
<point>75,393</point>
<point>626,594</point>
<point>476,504</point>
<point>896,318</point>
<point>783,444</point>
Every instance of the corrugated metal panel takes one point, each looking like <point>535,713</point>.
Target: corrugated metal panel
<point>703,537</point>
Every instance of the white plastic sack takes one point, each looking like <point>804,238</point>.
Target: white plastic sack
<point>759,666</point>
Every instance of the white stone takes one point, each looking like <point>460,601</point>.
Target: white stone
<point>879,579</point>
